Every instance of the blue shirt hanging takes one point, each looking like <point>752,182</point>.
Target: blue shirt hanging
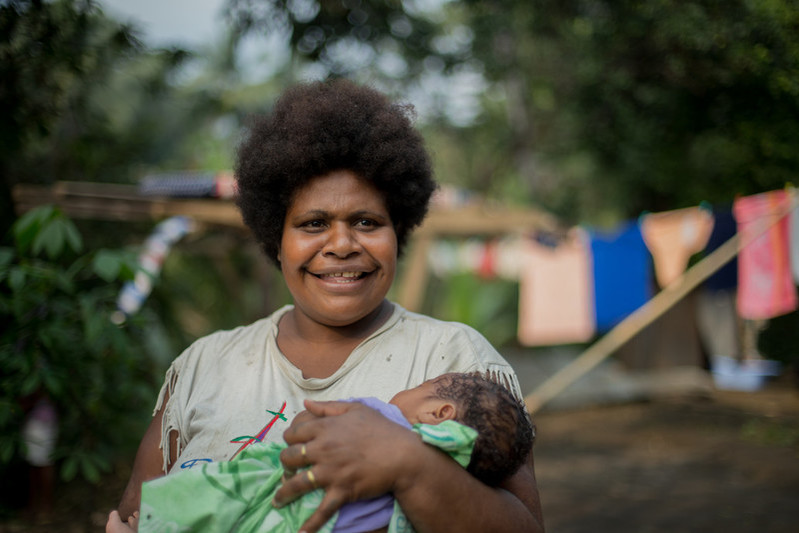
<point>623,276</point>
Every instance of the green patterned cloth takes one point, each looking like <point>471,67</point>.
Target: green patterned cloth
<point>237,495</point>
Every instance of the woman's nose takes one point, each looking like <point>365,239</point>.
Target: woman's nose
<point>342,241</point>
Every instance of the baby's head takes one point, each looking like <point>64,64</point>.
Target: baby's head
<point>505,432</point>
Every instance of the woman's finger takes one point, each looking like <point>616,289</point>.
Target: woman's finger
<point>303,416</point>
<point>296,456</point>
<point>302,428</point>
<point>330,504</point>
<point>320,409</point>
<point>116,525</point>
<point>293,487</point>
<point>317,415</point>
<point>296,436</point>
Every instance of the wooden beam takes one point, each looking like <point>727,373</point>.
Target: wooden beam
<point>484,220</point>
<point>107,201</point>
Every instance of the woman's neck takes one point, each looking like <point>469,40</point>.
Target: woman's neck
<point>301,325</point>
<point>318,349</point>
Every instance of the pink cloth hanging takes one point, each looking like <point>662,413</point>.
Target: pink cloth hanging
<point>555,292</point>
<point>672,237</point>
<point>487,268</point>
<point>765,284</point>
<point>793,223</point>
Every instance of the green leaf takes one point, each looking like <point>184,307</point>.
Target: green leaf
<point>72,235</point>
<point>129,265</point>
<point>30,384</point>
<point>52,383</point>
<point>107,264</point>
<point>51,239</point>
<point>28,226</point>
<point>75,268</point>
<point>89,470</point>
<point>6,449</point>
<point>93,322</point>
<point>69,468</point>
<point>16,279</point>
<point>64,282</point>
<point>6,256</point>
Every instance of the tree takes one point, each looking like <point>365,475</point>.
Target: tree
<point>674,102</point>
<point>594,109</point>
<point>59,343</point>
<point>83,99</point>
<point>345,37</point>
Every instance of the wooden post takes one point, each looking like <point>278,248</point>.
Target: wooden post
<point>411,288</point>
<point>461,222</point>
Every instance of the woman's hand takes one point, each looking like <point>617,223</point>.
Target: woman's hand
<point>116,525</point>
<point>353,453</point>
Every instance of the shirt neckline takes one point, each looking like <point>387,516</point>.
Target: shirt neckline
<point>359,353</point>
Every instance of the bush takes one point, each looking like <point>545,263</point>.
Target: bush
<point>58,342</point>
<point>778,341</point>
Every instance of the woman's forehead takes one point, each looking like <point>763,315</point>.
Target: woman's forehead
<point>339,187</point>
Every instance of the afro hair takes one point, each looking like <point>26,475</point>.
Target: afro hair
<point>321,127</point>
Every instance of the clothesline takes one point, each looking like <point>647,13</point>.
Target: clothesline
<point>586,281</point>
<point>644,316</point>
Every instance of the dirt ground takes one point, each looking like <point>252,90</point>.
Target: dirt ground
<point>725,462</point>
<point>728,462</point>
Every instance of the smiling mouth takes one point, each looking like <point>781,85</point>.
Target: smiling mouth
<point>342,277</point>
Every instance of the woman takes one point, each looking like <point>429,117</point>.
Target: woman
<point>331,182</point>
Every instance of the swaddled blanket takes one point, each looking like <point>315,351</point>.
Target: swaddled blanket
<point>237,495</point>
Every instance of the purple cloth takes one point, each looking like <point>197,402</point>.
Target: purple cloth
<point>367,515</point>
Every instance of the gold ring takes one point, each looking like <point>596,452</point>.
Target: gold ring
<point>304,456</point>
<point>311,478</point>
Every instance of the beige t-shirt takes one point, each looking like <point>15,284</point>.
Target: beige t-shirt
<point>233,387</point>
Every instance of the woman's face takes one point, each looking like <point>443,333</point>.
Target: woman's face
<point>338,253</point>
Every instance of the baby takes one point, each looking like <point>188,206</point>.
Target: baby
<point>477,422</point>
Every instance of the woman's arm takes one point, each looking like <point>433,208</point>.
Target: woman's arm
<point>148,463</point>
<point>439,495</point>
<point>356,453</point>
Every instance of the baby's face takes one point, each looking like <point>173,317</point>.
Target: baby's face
<point>419,405</point>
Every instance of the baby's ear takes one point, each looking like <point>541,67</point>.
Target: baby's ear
<point>445,411</point>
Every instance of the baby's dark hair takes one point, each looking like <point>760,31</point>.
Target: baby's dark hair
<point>321,127</point>
<point>505,430</point>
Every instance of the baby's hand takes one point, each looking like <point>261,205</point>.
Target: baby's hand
<point>116,525</point>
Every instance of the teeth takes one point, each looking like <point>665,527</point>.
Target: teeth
<point>343,275</point>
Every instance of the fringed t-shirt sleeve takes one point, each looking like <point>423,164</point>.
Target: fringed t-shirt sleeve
<point>169,421</point>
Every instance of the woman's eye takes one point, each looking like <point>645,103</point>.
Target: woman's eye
<point>366,223</point>
<point>314,224</point>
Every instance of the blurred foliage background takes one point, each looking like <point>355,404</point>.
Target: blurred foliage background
<point>593,110</point>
